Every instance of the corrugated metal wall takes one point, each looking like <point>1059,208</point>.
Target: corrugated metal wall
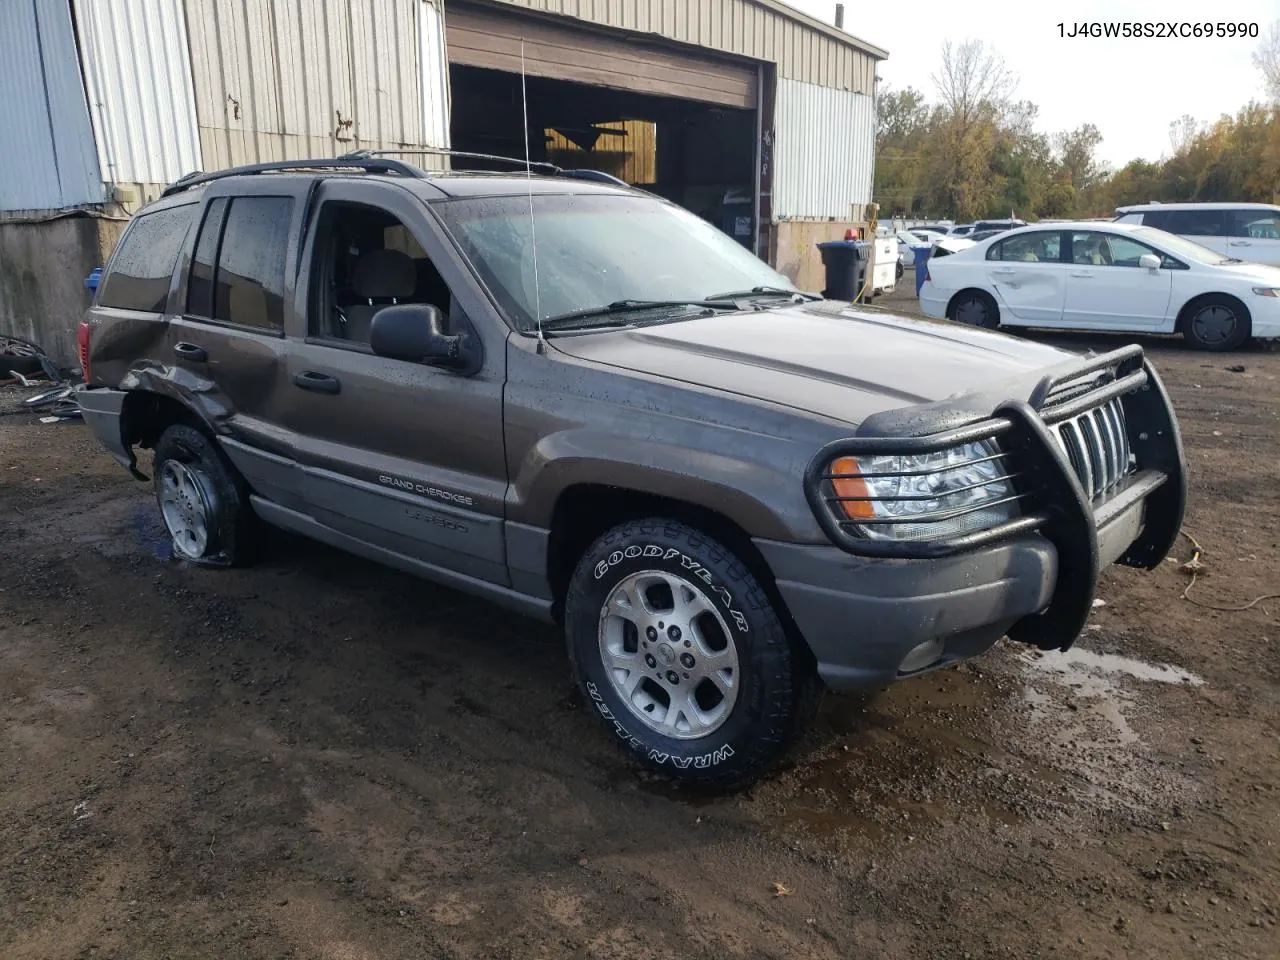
<point>138,78</point>
<point>46,144</point>
<point>277,79</point>
<point>757,29</point>
<point>824,152</point>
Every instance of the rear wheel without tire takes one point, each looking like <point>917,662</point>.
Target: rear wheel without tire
<point>678,649</point>
<point>974,308</point>
<point>204,503</point>
<point>1215,323</point>
<point>900,271</point>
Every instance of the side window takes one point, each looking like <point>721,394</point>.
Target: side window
<point>1255,224</point>
<point>249,289</point>
<point>1109,250</point>
<point>1045,247</point>
<point>142,267</point>
<point>1160,219</point>
<point>1198,223</point>
<point>204,260</point>
<point>366,259</point>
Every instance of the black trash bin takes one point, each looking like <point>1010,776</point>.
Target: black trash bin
<point>846,265</point>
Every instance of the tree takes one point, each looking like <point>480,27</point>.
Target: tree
<point>1182,132</point>
<point>1075,155</point>
<point>974,86</point>
<point>1267,59</point>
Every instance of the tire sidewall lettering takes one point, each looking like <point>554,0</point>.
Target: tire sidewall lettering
<point>702,761</point>
<point>654,552</point>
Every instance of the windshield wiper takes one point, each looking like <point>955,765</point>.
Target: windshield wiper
<point>764,291</point>
<point>570,319</point>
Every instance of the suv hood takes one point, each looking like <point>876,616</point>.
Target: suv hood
<point>828,358</point>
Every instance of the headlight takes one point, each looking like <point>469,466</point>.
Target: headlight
<point>1267,291</point>
<point>934,495</point>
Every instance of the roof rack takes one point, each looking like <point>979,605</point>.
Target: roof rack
<point>597,175</point>
<point>350,162</point>
<point>371,161</point>
<point>445,152</point>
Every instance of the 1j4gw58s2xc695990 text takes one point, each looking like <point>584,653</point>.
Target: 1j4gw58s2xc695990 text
<point>1157,30</point>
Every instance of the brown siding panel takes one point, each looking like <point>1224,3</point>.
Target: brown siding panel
<point>757,29</point>
<point>480,37</point>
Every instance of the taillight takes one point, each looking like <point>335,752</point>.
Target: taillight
<point>82,342</point>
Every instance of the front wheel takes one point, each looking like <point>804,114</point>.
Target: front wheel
<point>1215,323</point>
<point>679,651</point>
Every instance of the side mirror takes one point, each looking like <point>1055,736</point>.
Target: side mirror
<point>414,331</point>
<point>1149,261</point>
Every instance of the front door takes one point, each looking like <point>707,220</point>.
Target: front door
<point>1027,274</point>
<point>1107,288</point>
<point>1255,235</point>
<point>404,456</point>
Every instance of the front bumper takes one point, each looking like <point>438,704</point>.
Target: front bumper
<point>874,611</point>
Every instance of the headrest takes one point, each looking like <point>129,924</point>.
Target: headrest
<point>384,275</point>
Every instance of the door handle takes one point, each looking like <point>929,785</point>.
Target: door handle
<point>1241,243</point>
<point>317,382</point>
<point>189,351</point>
<point>1003,271</point>
<point>1082,274</point>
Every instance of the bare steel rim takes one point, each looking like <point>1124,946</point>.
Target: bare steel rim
<point>188,506</point>
<point>669,655</point>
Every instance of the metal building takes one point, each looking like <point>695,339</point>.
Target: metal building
<point>754,115</point>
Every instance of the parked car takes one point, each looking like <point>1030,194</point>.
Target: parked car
<point>908,241</point>
<point>1106,276</point>
<point>960,230</point>
<point>727,493</point>
<point>939,228</point>
<point>1247,231</point>
<point>998,224</point>
<point>949,245</point>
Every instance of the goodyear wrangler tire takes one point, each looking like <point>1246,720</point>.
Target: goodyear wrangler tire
<point>679,651</point>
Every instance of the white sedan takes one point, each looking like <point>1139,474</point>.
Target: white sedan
<point>1105,276</point>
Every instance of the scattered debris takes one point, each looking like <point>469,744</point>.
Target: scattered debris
<point>1099,602</point>
<point>1236,368</point>
<point>779,890</point>
<point>1195,565</point>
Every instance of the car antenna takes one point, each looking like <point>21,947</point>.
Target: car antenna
<point>533,230</point>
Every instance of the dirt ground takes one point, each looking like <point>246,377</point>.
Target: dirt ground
<point>322,758</point>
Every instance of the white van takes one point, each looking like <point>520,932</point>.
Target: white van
<point>1245,231</point>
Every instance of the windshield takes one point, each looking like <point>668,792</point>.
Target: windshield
<point>598,249</point>
<point>1179,246</point>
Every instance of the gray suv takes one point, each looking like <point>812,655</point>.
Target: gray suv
<point>583,402</point>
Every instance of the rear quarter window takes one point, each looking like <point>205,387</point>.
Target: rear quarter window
<point>142,267</point>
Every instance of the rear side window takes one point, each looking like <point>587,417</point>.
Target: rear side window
<point>1196,223</point>
<point>143,263</point>
<point>1028,247</point>
<point>237,270</point>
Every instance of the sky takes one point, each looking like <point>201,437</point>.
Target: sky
<point>1131,89</point>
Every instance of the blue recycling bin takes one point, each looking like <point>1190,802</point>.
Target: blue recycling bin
<point>922,266</point>
<point>92,280</point>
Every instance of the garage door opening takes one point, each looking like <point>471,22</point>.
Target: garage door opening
<point>698,155</point>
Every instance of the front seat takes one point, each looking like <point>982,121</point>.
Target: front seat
<point>381,277</point>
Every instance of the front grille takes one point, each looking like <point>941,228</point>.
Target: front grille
<point>1097,444</point>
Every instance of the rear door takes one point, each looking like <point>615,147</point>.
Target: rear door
<point>227,344</point>
<point>1207,227</point>
<point>403,456</point>
<point>1108,289</point>
<point>1028,276</point>
<point>1255,235</point>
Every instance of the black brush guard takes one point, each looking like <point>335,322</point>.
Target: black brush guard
<point>1052,500</point>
